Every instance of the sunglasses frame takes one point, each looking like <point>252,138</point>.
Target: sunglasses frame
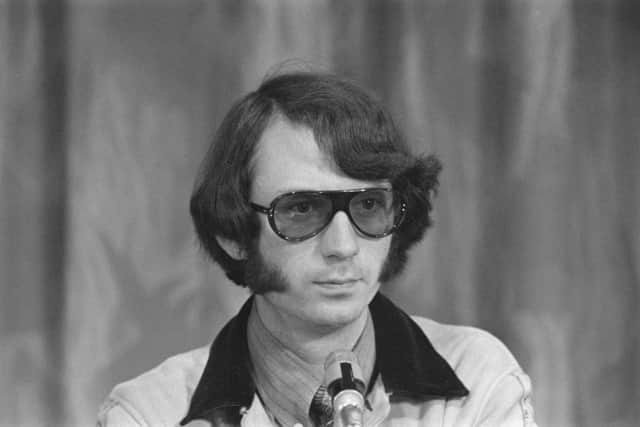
<point>344,198</point>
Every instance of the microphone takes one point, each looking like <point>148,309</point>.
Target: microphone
<point>345,385</point>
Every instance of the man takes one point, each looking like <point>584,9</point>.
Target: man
<point>310,197</point>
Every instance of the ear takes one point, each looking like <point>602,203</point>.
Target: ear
<point>232,248</point>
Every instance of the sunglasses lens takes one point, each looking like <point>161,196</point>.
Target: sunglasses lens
<point>375,212</point>
<point>299,215</point>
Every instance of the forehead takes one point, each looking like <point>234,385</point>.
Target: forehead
<point>288,158</point>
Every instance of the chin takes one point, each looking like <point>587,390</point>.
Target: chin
<point>338,313</point>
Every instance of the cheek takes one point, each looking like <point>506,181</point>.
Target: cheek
<point>287,257</point>
<point>374,254</point>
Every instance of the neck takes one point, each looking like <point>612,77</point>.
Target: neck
<point>312,343</point>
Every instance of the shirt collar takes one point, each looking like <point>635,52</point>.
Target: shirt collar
<point>405,358</point>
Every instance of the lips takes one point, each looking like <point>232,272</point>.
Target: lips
<point>337,281</point>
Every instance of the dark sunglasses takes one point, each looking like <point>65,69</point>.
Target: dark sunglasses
<point>300,215</point>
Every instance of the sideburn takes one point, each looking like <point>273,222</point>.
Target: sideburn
<point>259,276</point>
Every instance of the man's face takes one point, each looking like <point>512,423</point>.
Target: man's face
<point>329,279</point>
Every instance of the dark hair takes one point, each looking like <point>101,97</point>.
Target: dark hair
<point>349,124</point>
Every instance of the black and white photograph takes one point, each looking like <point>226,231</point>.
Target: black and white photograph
<point>320,213</point>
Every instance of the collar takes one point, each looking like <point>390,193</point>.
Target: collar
<point>226,387</point>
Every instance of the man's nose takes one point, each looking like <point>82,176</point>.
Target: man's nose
<point>340,239</point>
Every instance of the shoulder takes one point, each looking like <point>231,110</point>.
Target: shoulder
<point>462,345</point>
<point>499,390</point>
<point>160,396</point>
<point>476,356</point>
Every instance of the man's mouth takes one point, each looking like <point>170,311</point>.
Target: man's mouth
<point>337,281</point>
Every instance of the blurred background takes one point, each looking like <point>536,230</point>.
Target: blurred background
<point>107,107</point>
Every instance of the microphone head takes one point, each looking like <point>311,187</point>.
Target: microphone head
<point>342,371</point>
<point>345,385</point>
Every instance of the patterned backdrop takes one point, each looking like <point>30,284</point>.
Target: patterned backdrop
<point>106,108</point>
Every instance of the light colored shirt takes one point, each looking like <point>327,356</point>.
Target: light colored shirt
<point>427,374</point>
